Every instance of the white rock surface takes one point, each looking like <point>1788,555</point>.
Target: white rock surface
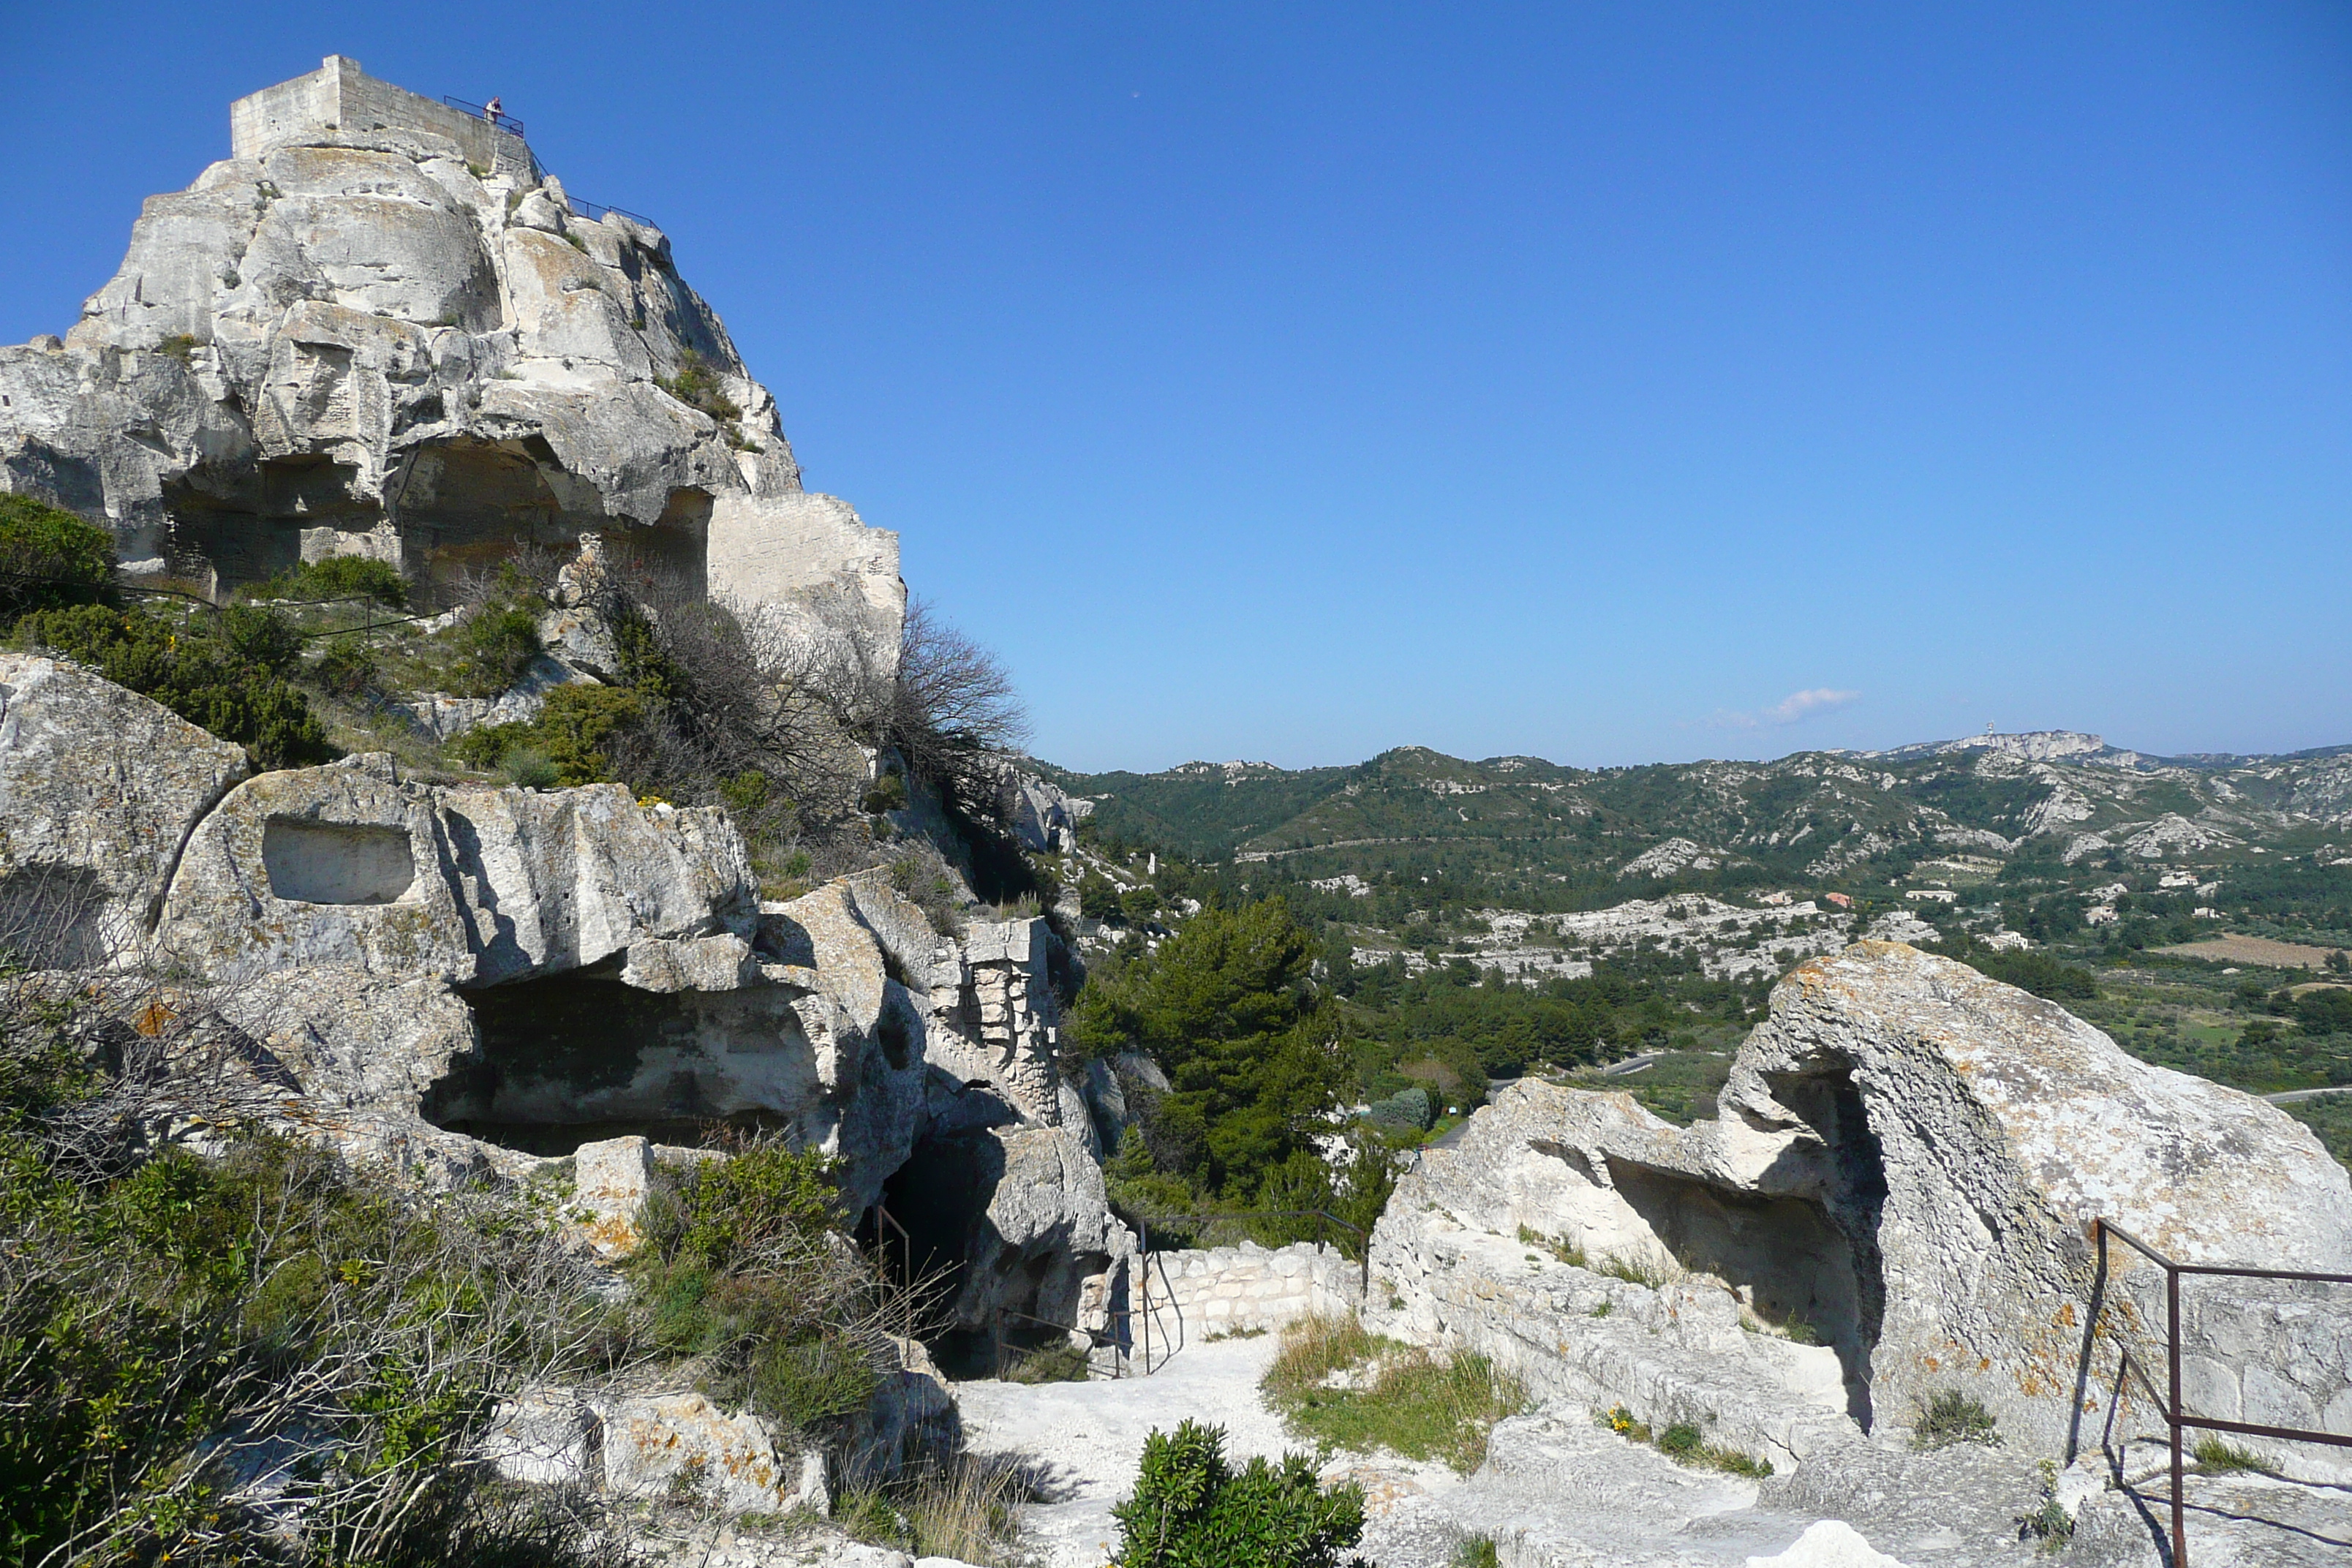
<point>99,788</point>
<point>349,866</point>
<point>380,329</point>
<point>1904,1166</point>
<point>1831,1544</point>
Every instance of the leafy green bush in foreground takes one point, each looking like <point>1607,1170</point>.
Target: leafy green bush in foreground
<point>1194,1509</point>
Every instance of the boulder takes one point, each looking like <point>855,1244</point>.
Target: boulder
<point>349,867</point>
<point>659,1446</point>
<point>1895,1200</point>
<point>681,1447</point>
<point>99,788</point>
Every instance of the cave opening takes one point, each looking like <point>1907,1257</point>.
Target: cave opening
<point>1793,1265</point>
<point>939,1200</point>
<point>1853,1196</point>
<point>577,1057</point>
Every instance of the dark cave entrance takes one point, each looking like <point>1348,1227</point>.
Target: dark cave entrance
<point>459,510</point>
<point>940,1198</point>
<point>574,1058</point>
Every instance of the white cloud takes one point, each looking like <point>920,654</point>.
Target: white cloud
<point>1797,705</point>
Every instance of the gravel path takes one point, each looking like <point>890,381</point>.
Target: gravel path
<point>1082,1441</point>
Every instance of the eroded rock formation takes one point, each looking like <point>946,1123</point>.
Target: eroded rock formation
<point>379,327</point>
<point>477,982</point>
<point>1895,1200</point>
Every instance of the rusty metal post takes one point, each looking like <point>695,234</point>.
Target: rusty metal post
<point>2172,1333</point>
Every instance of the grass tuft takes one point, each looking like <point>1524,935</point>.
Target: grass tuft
<point>2217,1456</point>
<point>1685,1443</point>
<point>1403,1398</point>
<point>1645,1269</point>
<point>1948,1416</point>
<point>1560,1247</point>
<point>967,1510</point>
<point>1047,1363</point>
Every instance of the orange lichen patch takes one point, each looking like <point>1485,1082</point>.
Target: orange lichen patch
<point>612,1236</point>
<point>2065,1319</point>
<point>154,1019</point>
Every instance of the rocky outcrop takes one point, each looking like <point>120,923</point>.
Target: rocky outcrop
<point>1895,1200</point>
<point>379,327</point>
<point>473,983</point>
<point>99,789</point>
<point>672,1447</point>
<point>351,867</point>
<point>1042,816</point>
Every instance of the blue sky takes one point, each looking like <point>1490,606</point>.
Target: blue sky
<point>1612,384</point>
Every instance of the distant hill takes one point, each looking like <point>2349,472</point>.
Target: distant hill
<point>1519,826</point>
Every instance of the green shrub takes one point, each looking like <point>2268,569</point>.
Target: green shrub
<point>1192,1510</point>
<point>224,672</point>
<point>50,559</point>
<point>527,767</point>
<point>571,736</point>
<point>348,668</point>
<point>164,1308</point>
<point>2049,1523</point>
<point>1410,1107</point>
<point>338,577</point>
<point>491,648</point>
<point>886,794</point>
<point>1478,1552</point>
<point>739,1275</point>
<point>1948,1416</point>
<point>695,385</point>
<point>747,793</point>
<point>765,1196</point>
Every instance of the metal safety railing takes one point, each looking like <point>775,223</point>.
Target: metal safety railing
<point>2168,1404</point>
<point>502,120</point>
<point>597,212</point>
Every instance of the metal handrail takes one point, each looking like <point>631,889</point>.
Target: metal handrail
<point>2176,1418</point>
<point>502,120</point>
<point>597,212</point>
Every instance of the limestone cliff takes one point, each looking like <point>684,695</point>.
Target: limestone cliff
<point>379,327</point>
<point>477,984</point>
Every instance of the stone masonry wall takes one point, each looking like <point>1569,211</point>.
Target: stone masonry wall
<point>1220,1289</point>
